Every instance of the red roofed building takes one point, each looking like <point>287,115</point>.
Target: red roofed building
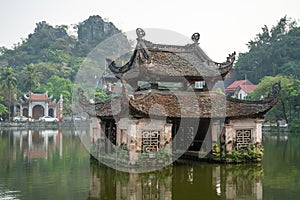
<point>240,89</point>
<point>35,105</point>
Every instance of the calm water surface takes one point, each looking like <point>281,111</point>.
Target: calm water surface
<point>54,165</point>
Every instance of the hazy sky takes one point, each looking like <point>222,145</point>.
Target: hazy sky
<point>225,26</point>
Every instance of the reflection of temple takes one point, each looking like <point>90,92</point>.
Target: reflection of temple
<point>38,144</point>
<point>241,182</point>
<point>179,182</point>
<point>168,104</point>
<point>37,105</point>
<point>123,185</point>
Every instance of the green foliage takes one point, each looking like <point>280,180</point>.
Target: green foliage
<point>49,59</point>
<point>101,96</point>
<point>272,52</point>
<point>216,150</point>
<point>57,86</point>
<point>254,152</point>
<point>8,79</point>
<point>219,91</point>
<point>3,108</point>
<point>288,99</point>
<point>29,78</point>
<point>8,82</point>
<point>294,126</point>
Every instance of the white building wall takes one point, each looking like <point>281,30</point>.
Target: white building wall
<point>241,94</point>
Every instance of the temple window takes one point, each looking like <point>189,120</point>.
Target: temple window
<point>243,138</point>
<point>143,85</point>
<point>150,141</point>
<point>199,84</point>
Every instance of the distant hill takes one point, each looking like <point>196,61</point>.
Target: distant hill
<point>49,58</point>
<point>52,47</point>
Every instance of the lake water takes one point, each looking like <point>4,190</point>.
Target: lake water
<point>55,165</point>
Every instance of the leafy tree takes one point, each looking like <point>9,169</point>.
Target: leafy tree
<point>286,105</point>
<point>30,78</point>
<point>57,86</point>
<point>49,58</point>
<point>9,83</point>
<point>101,96</point>
<point>3,108</point>
<point>274,51</point>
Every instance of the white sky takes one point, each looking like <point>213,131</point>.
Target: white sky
<point>224,26</point>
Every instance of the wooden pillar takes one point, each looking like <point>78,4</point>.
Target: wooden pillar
<point>102,145</point>
<point>257,137</point>
<point>229,134</point>
<point>21,109</point>
<point>46,111</point>
<point>118,136</point>
<point>30,109</point>
<point>132,137</point>
<point>214,136</point>
<point>168,139</point>
<point>109,134</point>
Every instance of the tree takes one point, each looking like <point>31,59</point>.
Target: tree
<point>30,78</point>
<point>286,105</point>
<point>274,51</point>
<point>101,96</point>
<point>3,108</point>
<point>9,82</point>
<point>57,86</point>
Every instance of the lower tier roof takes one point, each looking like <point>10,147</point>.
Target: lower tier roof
<point>181,105</point>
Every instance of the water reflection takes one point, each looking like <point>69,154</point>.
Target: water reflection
<point>281,165</point>
<point>182,181</point>
<point>53,164</point>
<point>6,193</point>
<point>107,183</point>
<point>43,164</point>
<point>38,144</point>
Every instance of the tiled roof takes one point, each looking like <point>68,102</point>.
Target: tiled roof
<point>248,88</point>
<point>181,105</point>
<point>198,105</point>
<point>171,61</point>
<point>38,97</point>
<point>233,86</point>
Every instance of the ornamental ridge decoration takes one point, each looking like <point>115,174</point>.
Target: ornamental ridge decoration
<point>196,37</point>
<point>275,91</point>
<point>140,33</point>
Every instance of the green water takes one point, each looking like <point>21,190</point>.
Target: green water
<point>55,165</point>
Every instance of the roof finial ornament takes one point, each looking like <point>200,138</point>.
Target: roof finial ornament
<point>140,33</point>
<point>196,37</point>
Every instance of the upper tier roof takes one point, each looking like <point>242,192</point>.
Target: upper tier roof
<point>159,60</point>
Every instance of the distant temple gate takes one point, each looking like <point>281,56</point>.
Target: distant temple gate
<point>35,105</point>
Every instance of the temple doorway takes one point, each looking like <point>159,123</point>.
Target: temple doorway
<point>37,111</point>
<point>25,112</point>
<point>190,134</point>
<point>51,112</point>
